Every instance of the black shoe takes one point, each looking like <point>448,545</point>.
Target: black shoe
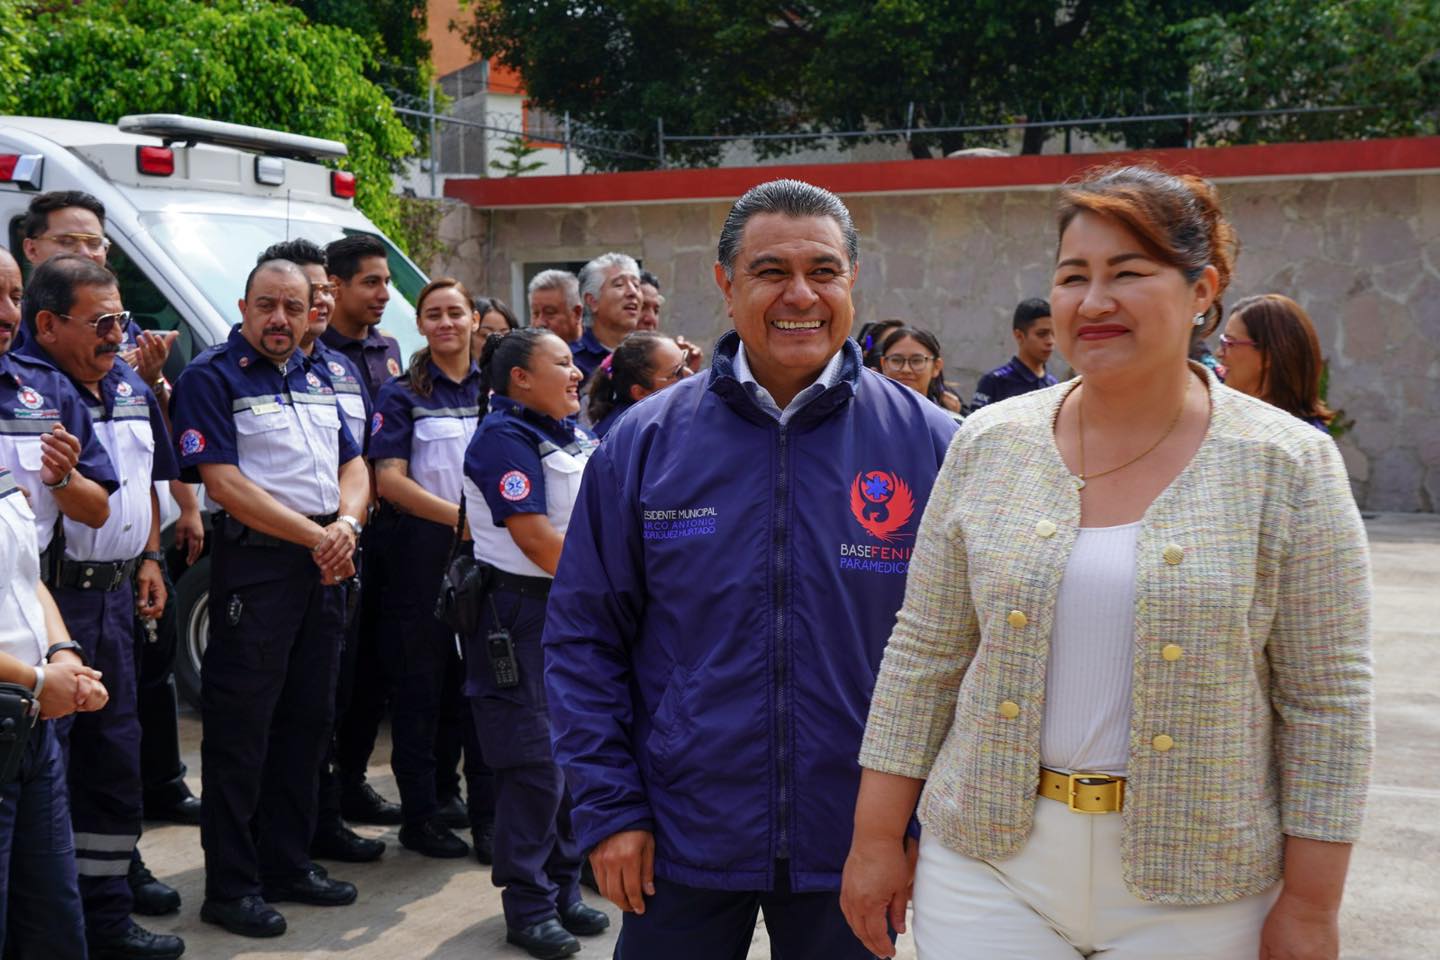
<point>186,811</point>
<point>546,940</point>
<point>338,842</point>
<point>249,916</point>
<point>433,840</point>
<point>313,886</point>
<point>361,804</point>
<point>587,875</point>
<point>484,843</point>
<point>136,943</point>
<point>452,814</point>
<point>583,920</point>
<point>152,898</point>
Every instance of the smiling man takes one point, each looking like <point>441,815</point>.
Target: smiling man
<point>610,291</point>
<point>730,577</point>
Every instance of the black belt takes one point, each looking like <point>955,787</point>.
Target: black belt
<point>92,575</point>
<point>237,532</point>
<point>537,587</point>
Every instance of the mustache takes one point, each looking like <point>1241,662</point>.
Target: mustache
<point>107,347</point>
<point>279,332</point>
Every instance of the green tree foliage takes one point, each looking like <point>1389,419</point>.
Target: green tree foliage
<point>245,61</point>
<point>14,45</point>
<point>751,65</point>
<point>517,158</point>
<point>1383,55</point>
<point>394,33</point>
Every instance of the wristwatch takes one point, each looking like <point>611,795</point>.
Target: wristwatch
<point>155,555</point>
<point>67,645</point>
<point>352,523</point>
<point>62,483</point>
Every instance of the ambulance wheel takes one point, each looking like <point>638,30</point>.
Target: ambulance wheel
<point>192,608</point>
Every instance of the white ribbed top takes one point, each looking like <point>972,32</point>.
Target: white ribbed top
<point>1092,653</point>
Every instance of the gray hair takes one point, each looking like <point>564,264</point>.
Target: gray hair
<point>562,280</point>
<point>592,275</point>
<point>792,198</point>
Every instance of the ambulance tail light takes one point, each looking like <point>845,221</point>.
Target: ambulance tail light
<point>155,161</point>
<point>21,168</point>
<point>342,184</point>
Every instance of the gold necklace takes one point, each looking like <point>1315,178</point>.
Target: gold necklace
<point>1082,476</point>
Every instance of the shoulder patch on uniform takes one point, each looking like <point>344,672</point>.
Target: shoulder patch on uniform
<point>376,422</point>
<point>393,366</point>
<point>514,486</point>
<point>335,368</point>
<point>192,441</point>
<point>124,389</point>
<point>30,398</point>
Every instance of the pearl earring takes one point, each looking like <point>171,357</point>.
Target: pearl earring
<point>1198,320</point>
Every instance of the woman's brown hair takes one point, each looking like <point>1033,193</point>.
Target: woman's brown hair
<point>1176,218</point>
<point>1290,358</point>
<point>418,373</point>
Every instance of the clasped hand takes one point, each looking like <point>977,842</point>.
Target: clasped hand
<point>335,553</point>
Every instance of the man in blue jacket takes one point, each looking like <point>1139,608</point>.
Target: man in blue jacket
<point>729,580</point>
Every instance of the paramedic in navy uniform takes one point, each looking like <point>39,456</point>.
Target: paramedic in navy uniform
<point>522,474</point>
<point>730,578</point>
<point>333,840</point>
<point>73,309</point>
<point>422,425</point>
<point>40,910</point>
<point>264,432</point>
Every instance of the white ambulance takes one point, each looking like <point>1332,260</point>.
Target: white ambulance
<point>189,203</point>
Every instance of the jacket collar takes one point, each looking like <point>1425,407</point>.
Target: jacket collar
<point>564,429</point>
<point>726,385</point>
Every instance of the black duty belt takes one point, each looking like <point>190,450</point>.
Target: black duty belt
<point>537,587</point>
<point>92,575</point>
<point>237,532</point>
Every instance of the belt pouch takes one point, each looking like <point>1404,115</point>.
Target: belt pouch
<point>18,711</point>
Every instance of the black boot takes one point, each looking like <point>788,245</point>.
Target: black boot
<point>152,898</point>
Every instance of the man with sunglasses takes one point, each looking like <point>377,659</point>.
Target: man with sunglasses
<point>72,221</point>
<point>106,575</point>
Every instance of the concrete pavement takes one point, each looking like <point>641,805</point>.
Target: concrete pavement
<point>412,908</point>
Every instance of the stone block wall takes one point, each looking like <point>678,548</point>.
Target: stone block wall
<point>1360,253</point>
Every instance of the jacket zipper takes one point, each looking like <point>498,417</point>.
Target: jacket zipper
<point>782,765</point>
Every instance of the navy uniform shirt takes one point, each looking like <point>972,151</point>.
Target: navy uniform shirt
<point>376,357</point>
<point>33,398</point>
<point>589,352</point>
<point>350,390</point>
<point>520,461</point>
<point>128,421</point>
<point>431,433</point>
<point>282,427</point>
<point>1006,381</point>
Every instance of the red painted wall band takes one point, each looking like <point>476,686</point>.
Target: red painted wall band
<point>961,173</point>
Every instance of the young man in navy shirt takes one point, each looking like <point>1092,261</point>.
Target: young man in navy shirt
<point>1034,341</point>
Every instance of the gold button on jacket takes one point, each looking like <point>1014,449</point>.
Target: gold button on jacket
<point>1009,709</point>
<point>1163,742</point>
<point>1171,651</point>
<point>1045,529</point>
<point>1173,554</point>
<point>1017,619</point>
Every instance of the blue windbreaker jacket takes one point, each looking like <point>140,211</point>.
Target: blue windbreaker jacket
<point>716,624</point>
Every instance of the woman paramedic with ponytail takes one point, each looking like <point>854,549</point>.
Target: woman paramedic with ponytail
<point>422,424</point>
<point>522,475</point>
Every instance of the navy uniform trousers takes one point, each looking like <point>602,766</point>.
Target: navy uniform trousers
<point>41,917</point>
<point>359,700</point>
<point>267,690</point>
<point>161,769</point>
<point>103,755</point>
<point>429,717</point>
<point>537,861</point>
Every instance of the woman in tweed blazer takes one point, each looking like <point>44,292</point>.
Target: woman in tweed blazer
<point>1242,707</point>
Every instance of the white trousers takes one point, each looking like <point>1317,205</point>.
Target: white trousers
<point>1062,897</point>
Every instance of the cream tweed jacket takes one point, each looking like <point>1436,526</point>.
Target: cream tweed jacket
<point>1252,566</point>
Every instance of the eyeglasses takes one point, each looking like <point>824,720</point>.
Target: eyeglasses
<point>103,324</point>
<point>323,287</point>
<point>679,373</point>
<point>896,363</point>
<point>70,242</point>
<point>1228,342</point>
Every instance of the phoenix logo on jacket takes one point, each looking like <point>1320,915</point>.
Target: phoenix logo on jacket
<point>883,505</point>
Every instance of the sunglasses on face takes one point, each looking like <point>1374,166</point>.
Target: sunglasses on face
<point>1226,342</point>
<point>103,324</point>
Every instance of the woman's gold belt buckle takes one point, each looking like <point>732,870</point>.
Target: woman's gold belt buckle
<point>1095,792</point>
